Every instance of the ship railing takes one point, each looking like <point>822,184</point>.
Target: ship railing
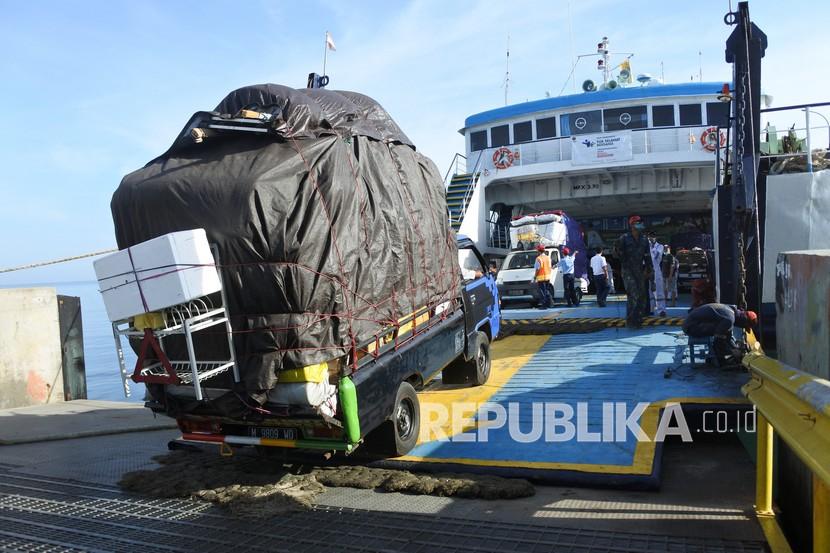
<point>458,166</point>
<point>796,406</point>
<point>475,177</point>
<point>686,139</point>
<point>780,138</point>
<point>498,236</point>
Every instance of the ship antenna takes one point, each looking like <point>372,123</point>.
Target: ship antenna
<point>507,71</point>
<point>571,41</point>
<point>699,66</point>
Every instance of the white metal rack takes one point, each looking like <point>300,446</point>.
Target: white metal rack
<point>180,320</point>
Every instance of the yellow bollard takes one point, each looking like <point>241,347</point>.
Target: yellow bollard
<point>763,474</point>
<point>821,515</point>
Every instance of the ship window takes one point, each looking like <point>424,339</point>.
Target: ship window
<point>545,128</point>
<point>522,132</point>
<point>478,141</point>
<point>662,116</point>
<point>690,114</point>
<point>500,136</point>
<point>633,117</point>
<point>717,114</point>
<point>583,122</point>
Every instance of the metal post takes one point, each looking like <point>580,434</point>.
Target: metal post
<point>763,474</point>
<point>191,354</point>
<point>809,148</point>
<point>121,364</point>
<point>821,515</point>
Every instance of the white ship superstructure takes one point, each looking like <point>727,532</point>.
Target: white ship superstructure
<point>648,149</point>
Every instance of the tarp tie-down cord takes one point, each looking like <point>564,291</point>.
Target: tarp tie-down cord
<point>228,266</point>
<point>312,177</point>
<point>137,281</point>
<point>318,317</point>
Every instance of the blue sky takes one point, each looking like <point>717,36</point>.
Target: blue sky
<point>93,90</point>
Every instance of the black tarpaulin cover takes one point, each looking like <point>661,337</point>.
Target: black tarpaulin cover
<point>329,228</point>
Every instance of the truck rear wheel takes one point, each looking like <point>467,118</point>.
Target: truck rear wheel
<point>475,371</point>
<point>398,435</point>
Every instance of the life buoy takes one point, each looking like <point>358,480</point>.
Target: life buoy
<point>503,158</point>
<point>711,137</point>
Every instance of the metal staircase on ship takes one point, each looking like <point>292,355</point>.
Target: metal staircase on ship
<point>460,188</point>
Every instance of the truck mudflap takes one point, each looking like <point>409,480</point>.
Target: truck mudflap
<point>325,445</point>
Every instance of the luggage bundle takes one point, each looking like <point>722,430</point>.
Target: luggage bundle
<point>547,229</point>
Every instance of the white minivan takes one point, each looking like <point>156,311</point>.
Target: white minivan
<point>515,278</point>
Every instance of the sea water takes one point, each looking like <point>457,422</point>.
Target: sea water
<point>103,378</point>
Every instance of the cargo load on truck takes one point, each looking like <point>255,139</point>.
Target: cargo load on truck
<point>528,231</point>
<point>550,229</point>
<point>328,228</point>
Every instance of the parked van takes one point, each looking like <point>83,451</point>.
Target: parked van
<point>516,283</point>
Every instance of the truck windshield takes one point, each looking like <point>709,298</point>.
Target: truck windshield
<point>523,260</point>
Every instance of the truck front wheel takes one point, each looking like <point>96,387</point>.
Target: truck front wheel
<point>398,435</point>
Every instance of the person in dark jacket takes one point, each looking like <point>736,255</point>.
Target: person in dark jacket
<point>632,249</point>
<point>717,320</point>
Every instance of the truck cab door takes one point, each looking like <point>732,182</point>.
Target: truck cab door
<point>480,293</point>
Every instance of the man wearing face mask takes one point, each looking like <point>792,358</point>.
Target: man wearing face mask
<point>634,253</point>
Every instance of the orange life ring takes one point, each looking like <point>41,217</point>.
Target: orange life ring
<point>503,158</point>
<point>710,138</point>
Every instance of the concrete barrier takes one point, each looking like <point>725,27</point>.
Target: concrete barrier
<point>30,348</point>
<point>802,297</point>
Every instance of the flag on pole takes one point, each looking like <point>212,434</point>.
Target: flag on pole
<point>330,42</point>
<point>625,72</point>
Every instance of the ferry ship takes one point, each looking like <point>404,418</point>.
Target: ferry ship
<point>621,147</point>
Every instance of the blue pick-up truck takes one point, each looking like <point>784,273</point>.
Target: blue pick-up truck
<point>378,401</point>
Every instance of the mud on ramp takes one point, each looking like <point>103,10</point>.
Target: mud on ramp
<point>250,486</point>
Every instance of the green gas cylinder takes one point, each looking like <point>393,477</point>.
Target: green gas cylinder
<point>348,406</point>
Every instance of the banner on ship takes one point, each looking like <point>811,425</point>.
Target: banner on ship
<point>589,149</point>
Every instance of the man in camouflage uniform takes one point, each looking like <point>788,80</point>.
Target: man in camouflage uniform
<point>634,253</point>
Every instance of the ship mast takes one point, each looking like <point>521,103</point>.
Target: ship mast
<point>603,63</point>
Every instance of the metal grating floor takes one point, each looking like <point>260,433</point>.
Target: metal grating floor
<point>45,514</point>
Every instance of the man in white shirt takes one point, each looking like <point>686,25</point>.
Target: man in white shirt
<point>602,276</point>
<point>658,294</point>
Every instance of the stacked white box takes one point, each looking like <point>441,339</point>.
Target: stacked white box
<point>159,273</point>
<point>547,229</point>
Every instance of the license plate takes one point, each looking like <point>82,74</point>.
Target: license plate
<point>515,292</point>
<point>273,432</point>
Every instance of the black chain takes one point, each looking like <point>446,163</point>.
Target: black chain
<point>741,121</point>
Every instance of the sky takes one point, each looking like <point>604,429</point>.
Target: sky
<point>94,90</point>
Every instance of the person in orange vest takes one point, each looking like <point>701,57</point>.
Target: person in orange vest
<point>543,274</point>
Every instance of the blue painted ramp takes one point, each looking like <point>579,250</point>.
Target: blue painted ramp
<point>614,366</point>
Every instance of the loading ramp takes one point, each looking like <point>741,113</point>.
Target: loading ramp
<point>584,370</point>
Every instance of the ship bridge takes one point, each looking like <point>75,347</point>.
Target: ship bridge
<point>599,156</point>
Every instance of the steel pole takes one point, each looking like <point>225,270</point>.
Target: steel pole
<point>763,474</point>
<point>821,515</point>
<point>826,122</point>
<point>809,148</point>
